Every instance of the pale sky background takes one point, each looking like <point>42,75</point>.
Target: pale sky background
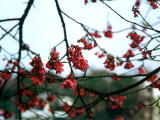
<point>43,30</point>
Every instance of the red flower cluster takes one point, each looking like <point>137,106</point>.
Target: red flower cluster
<point>54,62</point>
<point>153,78</point>
<point>96,34</point>
<point>117,101</point>
<point>29,100</point>
<point>108,33</point>
<point>41,104</point>
<point>156,85</point>
<point>70,82</point>
<point>146,53</point>
<point>137,4</point>
<point>153,4</point>
<point>38,71</point>
<point>50,98</point>
<point>87,46</point>
<point>5,76</point>
<point>136,39</point>
<point>136,7</point>
<point>110,63</point>
<point>135,11</point>
<point>74,111</point>
<point>12,65</point>
<point>141,71</point>
<point>92,95</point>
<point>100,55</point>
<point>128,65</point>
<point>82,92</point>
<point>75,56</point>
<point>128,54</point>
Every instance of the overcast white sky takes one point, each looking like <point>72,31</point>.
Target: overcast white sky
<point>42,29</point>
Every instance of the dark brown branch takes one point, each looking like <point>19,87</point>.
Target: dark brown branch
<point>10,19</point>
<point>64,30</point>
<point>21,23</point>
<point>7,32</point>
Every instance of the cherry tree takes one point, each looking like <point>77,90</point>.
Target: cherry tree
<point>143,39</point>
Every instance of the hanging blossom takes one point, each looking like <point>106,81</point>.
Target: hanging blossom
<point>128,54</point>
<point>75,56</point>
<point>82,92</point>
<point>108,32</point>
<point>153,4</point>
<point>70,82</point>
<point>26,104</point>
<point>153,78</point>
<point>117,101</point>
<point>5,76</point>
<point>136,7</point>
<point>110,63</point>
<point>96,34</point>
<point>73,112</point>
<point>100,55</point>
<point>141,70</point>
<point>87,45</point>
<point>128,65</point>
<point>54,62</point>
<point>136,39</point>
<point>38,71</point>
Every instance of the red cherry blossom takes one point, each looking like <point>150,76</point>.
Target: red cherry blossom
<point>5,76</point>
<point>141,71</point>
<point>54,62</point>
<point>41,104</point>
<point>156,84</point>
<point>146,53</point>
<point>128,65</point>
<point>100,55</point>
<point>72,114</point>
<point>128,54</point>
<point>65,108</point>
<point>75,56</point>
<point>117,101</point>
<point>82,92</point>
<point>70,82</point>
<point>50,98</point>
<point>92,95</point>
<point>32,100</point>
<point>136,39</point>
<point>153,78</point>
<point>108,32</point>
<point>137,4</point>
<point>109,63</point>
<point>38,71</point>
<point>96,34</point>
<point>153,4</point>
<point>85,1</point>
<point>87,45</point>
